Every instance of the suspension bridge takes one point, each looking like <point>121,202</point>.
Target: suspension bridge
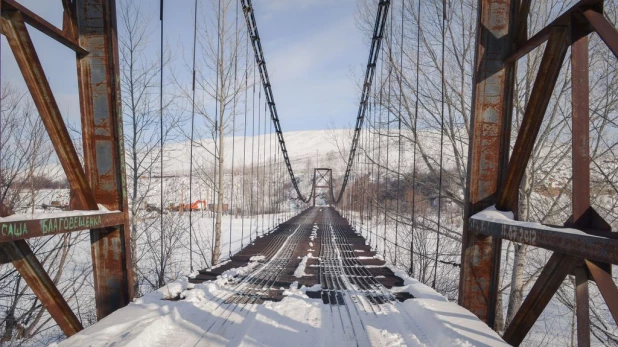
<point>339,268</point>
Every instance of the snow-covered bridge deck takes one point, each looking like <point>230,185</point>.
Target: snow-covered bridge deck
<point>312,282</point>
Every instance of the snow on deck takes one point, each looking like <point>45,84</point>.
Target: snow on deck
<point>200,318</point>
<point>237,307</point>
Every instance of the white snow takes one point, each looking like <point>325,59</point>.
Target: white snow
<point>491,214</point>
<point>202,318</point>
<point>300,270</point>
<point>181,314</point>
<point>39,214</point>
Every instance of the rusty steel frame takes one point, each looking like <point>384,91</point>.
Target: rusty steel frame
<point>99,90</point>
<point>89,29</point>
<point>11,229</point>
<point>587,246</point>
<point>322,172</point>
<point>488,154</point>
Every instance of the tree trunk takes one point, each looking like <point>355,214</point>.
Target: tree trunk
<point>499,322</point>
<point>519,254</point>
<point>517,282</point>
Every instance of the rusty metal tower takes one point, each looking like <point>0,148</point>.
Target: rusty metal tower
<point>494,177</point>
<point>89,29</point>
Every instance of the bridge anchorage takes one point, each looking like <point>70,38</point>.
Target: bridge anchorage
<point>205,228</point>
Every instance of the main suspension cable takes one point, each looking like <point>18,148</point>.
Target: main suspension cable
<point>378,32</point>
<point>268,93</point>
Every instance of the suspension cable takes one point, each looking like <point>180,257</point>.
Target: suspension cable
<point>378,32</point>
<point>231,205</point>
<point>268,93</point>
<point>252,211</point>
<point>400,85</point>
<point>264,168</point>
<point>388,126</point>
<point>435,272</point>
<point>162,274</point>
<point>258,185</point>
<point>415,130</point>
<point>215,235</point>
<point>379,157</point>
<point>244,147</point>
<point>191,141</point>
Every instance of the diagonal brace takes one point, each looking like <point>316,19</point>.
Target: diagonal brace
<point>544,84</point>
<point>17,35</point>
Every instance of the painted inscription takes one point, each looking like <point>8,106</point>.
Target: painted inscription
<point>51,226</point>
<point>58,225</point>
<point>14,229</point>
<point>521,235</point>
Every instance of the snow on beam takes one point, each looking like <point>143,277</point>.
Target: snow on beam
<point>25,226</point>
<point>564,240</point>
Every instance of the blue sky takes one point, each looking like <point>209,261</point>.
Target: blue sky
<point>313,49</point>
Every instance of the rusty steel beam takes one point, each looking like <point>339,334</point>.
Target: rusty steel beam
<point>69,25</point>
<point>562,240</point>
<point>523,10</point>
<point>544,84</point>
<point>606,285</point>
<point>43,26</point>
<point>488,153</point>
<point>19,253</point>
<point>550,279</point>
<point>582,302</point>
<point>14,229</point>
<point>99,89</point>
<point>563,20</point>
<point>580,103</point>
<point>16,33</point>
<point>604,28</point>
<point>42,285</point>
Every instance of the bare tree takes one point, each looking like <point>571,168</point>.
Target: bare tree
<point>25,155</point>
<point>221,39</point>
<point>142,124</point>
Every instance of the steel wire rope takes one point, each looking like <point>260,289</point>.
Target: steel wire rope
<point>270,197</point>
<point>258,185</point>
<point>264,170</point>
<point>259,59</point>
<point>428,257</point>
<point>215,136</point>
<point>372,113</point>
<point>388,125</point>
<point>191,140</point>
<point>378,32</point>
<point>251,212</point>
<point>244,148</point>
<point>379,157</point>
<point>231,205</point>
<point>400,101</point>
<point>162,264</point>
<point>415,130</point>
<point>435,271</point>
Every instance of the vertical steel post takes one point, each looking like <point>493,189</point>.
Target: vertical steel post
<point>488,153</point>
<point>580,96</point>
<point>99,90</point>
<point>580,100</point>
